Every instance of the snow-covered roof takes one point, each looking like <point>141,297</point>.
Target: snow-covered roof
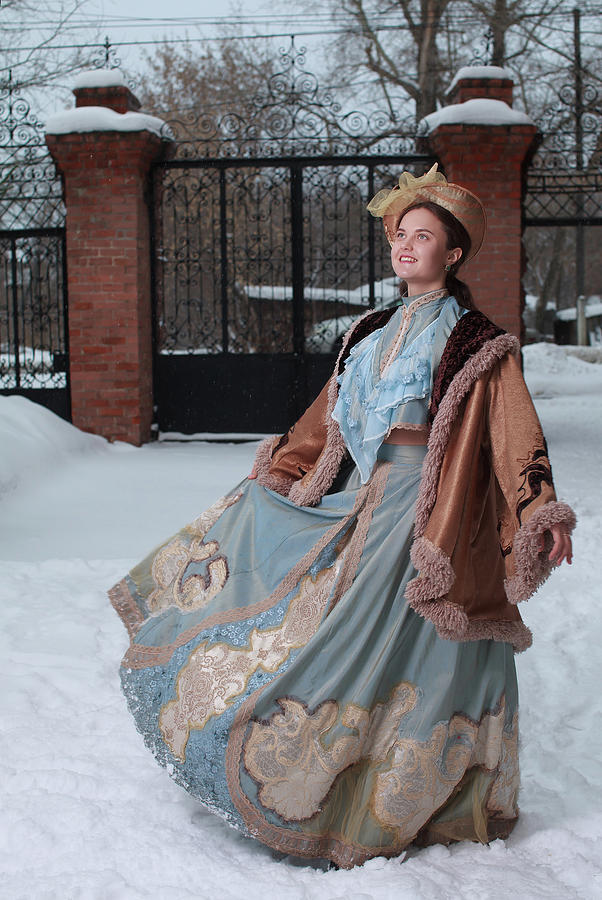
<point>100,118</point>
<point>99,78</point>
<point>359,296</point>
<point>591,309</point>
<point>480,72</point>
<point>481,111</point>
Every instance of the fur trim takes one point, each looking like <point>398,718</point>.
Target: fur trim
<point>532,563</point>
<point>515,633</point>
<point>468,336</point>
<point>436,573</point>
<point>449,619</point>
<point>452,624</point>
<point>310,494</point>
<point>263,458</point>
<point>478,364</point>
<point>310,489</point>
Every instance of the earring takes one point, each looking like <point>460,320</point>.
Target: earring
<point>448,268</point>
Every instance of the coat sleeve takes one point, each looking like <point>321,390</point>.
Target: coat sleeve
<point>280,461</point>
<point>527,504</point>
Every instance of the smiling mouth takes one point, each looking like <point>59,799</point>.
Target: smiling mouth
<point>407,259</point>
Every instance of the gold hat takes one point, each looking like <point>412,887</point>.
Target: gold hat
<point>390,205</point>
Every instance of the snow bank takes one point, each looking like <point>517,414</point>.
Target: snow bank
<point>481,111</point>
<point>591,354</point>
<point>99,78</point>
<point>86,811</point>
<point>551,371</point>
<point>33,438</point>
<point>100,118</point>
<point>550,360</point>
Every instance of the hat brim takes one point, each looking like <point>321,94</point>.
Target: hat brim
<point>459,201</point>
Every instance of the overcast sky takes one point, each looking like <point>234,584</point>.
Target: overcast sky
<point>132,26</point>
<point>144,20</point>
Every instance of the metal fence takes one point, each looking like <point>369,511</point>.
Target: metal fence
<point>33,283</point>
<point>263,252</point>
<point>563,204</point>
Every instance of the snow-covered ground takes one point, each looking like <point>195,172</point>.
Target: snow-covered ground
<point>85,810</point>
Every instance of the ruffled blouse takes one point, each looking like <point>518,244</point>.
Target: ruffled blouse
<point>388,376</point>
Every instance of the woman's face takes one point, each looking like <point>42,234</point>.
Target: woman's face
<point>420,253</point>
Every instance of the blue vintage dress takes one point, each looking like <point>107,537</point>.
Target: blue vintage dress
<point>276,670</point>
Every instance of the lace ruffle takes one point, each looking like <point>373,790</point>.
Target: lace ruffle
<point>366,409</point>
<point>370,405</point>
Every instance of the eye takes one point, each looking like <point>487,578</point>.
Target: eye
<point>423,237</point>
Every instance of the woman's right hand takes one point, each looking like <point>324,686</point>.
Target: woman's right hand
<point>563,547</point>
<point>253,472</point>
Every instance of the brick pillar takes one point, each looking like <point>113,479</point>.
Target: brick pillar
<point>104,153</point>
<point>483,144</point>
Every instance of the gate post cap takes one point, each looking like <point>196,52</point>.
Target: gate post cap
<point>105,87</point>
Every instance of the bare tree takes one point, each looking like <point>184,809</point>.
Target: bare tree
<point>214,81</point>
<point>33,39</point>
<point>413,48</point>
<point>406,59</point>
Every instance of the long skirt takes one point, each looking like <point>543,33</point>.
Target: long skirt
<point>277,671</point>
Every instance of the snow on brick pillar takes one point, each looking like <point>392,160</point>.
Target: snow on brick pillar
<point>483,144</point>
<point>104,151</point>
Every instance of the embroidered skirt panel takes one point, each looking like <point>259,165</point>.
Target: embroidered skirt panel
<point>277,671</point>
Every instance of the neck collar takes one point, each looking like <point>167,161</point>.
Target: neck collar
<point>419,299</point>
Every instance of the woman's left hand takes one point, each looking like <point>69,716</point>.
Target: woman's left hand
<point>562,548</point>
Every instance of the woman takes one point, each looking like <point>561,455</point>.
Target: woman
<point>325,657</point>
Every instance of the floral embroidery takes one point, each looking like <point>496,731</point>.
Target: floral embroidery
<point>216,674</point>
<point>175,584</point>
<point>295,768</point>
<point>504,791</point>
<point>295,758</point>
<point>423,775</point>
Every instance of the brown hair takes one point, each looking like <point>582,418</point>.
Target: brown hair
<point>457,236</point>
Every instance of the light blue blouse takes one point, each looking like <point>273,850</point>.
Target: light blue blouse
<point>389,375</point>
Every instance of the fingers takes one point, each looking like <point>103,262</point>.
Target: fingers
<point>561,549</point>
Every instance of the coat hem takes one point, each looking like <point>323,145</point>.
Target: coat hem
<point>426,595</point>
<point>452,624</point>
<point>436,573</point>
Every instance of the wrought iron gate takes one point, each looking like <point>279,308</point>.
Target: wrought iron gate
<point>263,253</point>
<point>33,316</point>
<point>33,283</point>
<point>563,204</point>
<point>259,267</point>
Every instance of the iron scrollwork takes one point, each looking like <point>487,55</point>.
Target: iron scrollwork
<point>33,351</point>
<point>31,193</point>
<point>564,180</point>
<point>293,116</point>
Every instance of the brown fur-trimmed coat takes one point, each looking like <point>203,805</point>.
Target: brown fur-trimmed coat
<point>486,495</point>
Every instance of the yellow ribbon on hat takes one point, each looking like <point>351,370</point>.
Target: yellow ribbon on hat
<point>403,193</point>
